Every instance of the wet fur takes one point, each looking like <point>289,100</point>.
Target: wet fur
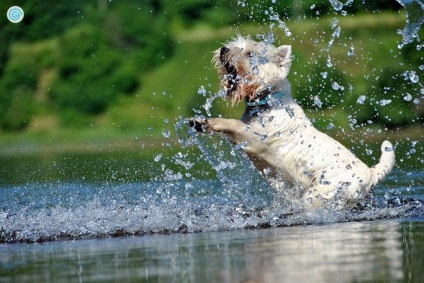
<point>281,141</point>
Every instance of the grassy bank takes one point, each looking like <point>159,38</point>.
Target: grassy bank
<point>169,92</point>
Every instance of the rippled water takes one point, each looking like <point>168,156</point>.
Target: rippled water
<point>371,251</point>
<point>120,227</point>
<point>94,228</point>
<point>182,199</point>
<point>50,211</point>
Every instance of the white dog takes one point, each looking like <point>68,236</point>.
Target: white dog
<point>276,134</point>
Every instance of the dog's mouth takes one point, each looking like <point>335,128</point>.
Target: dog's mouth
<point>232,76</point>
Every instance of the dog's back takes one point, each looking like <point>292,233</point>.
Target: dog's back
<point>284,143</point>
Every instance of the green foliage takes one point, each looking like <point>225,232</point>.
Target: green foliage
<point>17,87</point>
<point>100,51</point>
<point>45,20</point>
<point>85,67</point>
<point>325,87</point>
<point>19,83</point>
<point>140,35</point>
<point>18,113</point>
<point>124,79</point>
<point>391,98</point>
<point>395,86</point>
<point>42,20</point>
<point>97,59</point>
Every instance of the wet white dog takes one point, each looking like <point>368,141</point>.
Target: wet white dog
<point>278,137</point>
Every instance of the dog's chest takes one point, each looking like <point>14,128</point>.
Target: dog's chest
<point>275,143</point>
<point>277,124</point>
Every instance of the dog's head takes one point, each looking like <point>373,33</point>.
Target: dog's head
<point>248,68</point>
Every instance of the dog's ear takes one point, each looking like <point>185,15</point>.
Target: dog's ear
<point>283,56</point>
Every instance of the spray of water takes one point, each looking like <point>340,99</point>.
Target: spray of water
<point>414,19</point>
<point>236,196</point>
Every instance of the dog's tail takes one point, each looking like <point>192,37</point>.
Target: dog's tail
<point>387,161</point>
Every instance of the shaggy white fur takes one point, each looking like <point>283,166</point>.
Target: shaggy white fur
<point>278,137</point>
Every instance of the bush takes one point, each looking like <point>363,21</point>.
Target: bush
<point>16,96</point>
<point>17,113</point>
<point>124,79</point>
<point>140,36</point>
<point>91,75</point>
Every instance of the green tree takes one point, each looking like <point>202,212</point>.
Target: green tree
<point>16,96</point>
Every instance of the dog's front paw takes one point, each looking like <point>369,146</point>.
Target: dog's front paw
<point>199,125</point>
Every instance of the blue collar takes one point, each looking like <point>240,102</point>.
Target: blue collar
<point>262,103</point>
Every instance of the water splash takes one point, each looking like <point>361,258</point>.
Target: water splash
<point>336,34</point>
<point>351,51</point>
<point>208,104</point>
<point>237,198</point>
<point>47,212</point>
<point>273,16</point>
<point>337,5</point>
<point>414,19</point>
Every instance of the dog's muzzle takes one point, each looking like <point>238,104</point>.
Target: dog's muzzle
<point>232,75</point>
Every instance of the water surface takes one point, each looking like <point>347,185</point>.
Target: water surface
<point>382,250</point>
<point>103,218</point>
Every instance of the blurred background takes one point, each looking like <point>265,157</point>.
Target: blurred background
<point>90,75</point>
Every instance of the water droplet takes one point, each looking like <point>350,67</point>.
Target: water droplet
<point>407,97</point>
<point>324,74</point>
<point>351,51</point>
<point>329,64</point>
<point>330,126</point>
<point>414,20</point>
<point>166,133</point>
<point>317,101</point>
<point>361,99</point>
<point>202,91</point>
<point>335,85</point>
<point>158,157</point>
<point>241,3</point>
<point>413,77</point>
<point>348,167</point>
<point>385,102</point>
<point>337,32</point>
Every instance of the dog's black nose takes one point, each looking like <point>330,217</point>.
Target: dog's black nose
<point>223,50</point>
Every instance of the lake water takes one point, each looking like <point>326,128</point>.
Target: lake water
<point>374,251</point>
<point>85,218</point>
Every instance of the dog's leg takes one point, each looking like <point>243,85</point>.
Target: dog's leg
<point>235,129</point>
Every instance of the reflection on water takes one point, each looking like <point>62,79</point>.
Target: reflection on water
<point>384,251</point>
